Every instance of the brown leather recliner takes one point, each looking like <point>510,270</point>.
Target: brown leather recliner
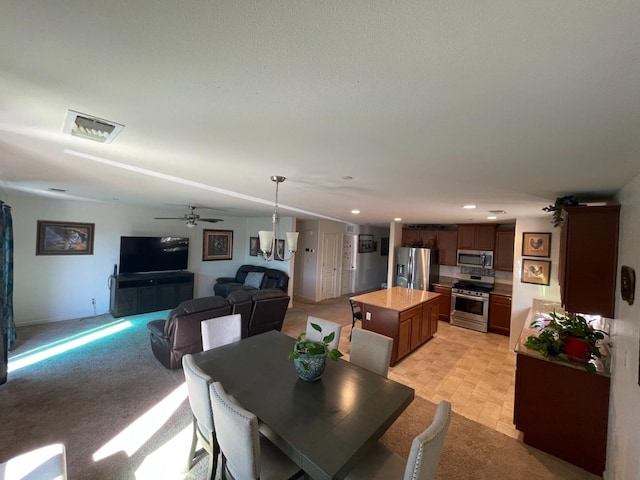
<point>268,311</point>
<point>240,301</point>
<point>180,333</point>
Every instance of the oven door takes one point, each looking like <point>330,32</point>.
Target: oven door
<point>470,311</point>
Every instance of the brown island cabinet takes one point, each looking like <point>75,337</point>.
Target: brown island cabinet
<point>408,316</point>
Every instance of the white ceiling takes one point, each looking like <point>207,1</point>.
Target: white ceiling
<point>428,105</point>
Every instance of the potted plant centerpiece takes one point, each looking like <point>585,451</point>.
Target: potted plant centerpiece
<point>568,337</point>
<point>309,356</point>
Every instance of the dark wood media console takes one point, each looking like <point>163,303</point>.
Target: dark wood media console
<point>149,292</point>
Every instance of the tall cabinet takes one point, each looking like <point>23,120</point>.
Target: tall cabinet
<point>588,259</point>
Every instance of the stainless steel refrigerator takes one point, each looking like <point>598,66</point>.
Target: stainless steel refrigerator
<point>416,268</point>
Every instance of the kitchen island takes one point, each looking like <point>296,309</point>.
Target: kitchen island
<point>408,316</point>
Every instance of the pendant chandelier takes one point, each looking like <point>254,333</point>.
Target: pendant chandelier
<point>269,240</point>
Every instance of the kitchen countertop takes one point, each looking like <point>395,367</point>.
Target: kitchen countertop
<point>396,298</point>
<point>603,365</point>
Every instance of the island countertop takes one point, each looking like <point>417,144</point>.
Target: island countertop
<point>396,298</point>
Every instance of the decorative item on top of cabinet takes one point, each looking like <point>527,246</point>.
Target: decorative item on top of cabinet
<point>500,314</point>
<point>444,302</point>
<point>479,236</point>
<point>588,259</point>
<point>503,253</point>
<point>444,237</point>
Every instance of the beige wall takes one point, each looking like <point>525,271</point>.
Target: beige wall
<point>623,455</point>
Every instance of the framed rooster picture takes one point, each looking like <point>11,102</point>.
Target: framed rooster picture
<point>536,244</point>
<point>537,272</point>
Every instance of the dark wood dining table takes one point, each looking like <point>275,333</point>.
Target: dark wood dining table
<point>323,426</point>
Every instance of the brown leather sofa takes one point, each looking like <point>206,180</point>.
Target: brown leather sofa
<point>181,333</point>
<point>266,279</point>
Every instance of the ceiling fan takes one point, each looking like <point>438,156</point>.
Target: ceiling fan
<point>192,218</point>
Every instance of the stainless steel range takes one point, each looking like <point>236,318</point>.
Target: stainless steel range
<point>470,299</point>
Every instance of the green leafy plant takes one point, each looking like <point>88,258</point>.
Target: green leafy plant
<point>558,207</point>
<point>304,347</point>
<point>553,337</point>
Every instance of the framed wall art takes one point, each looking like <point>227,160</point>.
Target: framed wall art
<point>253,246</point>
<point>280,251</point>
<point>365,243</point>
<point>64,238</point>
<point>536,244</point>
<point>537,272</point>
<point>217,245</point>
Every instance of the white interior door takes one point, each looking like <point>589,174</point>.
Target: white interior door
<point>348,283</point>
<point>329,266</point>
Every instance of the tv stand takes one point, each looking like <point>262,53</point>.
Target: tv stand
<point>136,293</point>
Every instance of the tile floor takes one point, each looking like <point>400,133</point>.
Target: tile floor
<point>474,371</point>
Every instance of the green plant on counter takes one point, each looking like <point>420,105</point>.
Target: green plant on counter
<point>553,337</point>
<point>305,347</point>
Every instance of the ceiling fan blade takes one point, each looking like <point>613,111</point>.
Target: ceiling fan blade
<point>211,220</point>
<point>168,218</point>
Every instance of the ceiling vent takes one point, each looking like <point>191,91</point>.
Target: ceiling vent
<point>92,128</point>
<point>497,212</point>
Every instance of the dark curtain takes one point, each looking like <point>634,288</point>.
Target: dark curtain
<point>7,324</point>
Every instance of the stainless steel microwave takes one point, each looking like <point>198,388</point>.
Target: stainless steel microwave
<point>475,258</point>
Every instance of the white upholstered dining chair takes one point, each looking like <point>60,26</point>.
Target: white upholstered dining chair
<point>220,331</point>
<point>203,428</point>
<point>371,350</point>
<point>246,454</point>
<point>380,463</point>
<point>327,328</point>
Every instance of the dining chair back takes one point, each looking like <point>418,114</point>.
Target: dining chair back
<point>327,328</point>
<point>246,454</point>
<point>371,350</point>
<point>203,427</point>
<point>356,315</point>
<point>220,331</point>
<point>427,447</point>
<point>380,463</point>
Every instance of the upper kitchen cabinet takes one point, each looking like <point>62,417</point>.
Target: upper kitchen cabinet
<point>503,253</point>
<point>588,259</point>
<point>447,247</point>
<point>445,240</point>
<point>477,236</point>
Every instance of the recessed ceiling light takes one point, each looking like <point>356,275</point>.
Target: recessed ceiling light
<point>469,206</point>
<point>492,217</point>
<point>355,211</point>
<point>397,219</point>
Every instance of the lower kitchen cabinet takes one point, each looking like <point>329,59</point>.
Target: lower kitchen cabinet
<point>500,314</point>
<point>444,302</point>
<point>563,410</point>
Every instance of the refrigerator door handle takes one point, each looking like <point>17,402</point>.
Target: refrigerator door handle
<point>410,269</point>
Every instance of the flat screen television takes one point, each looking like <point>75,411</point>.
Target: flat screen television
<point>153,254</point>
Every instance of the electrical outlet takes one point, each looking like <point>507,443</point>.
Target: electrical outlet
<point>368,316</point>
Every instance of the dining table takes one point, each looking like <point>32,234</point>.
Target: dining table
<point>325,426</point>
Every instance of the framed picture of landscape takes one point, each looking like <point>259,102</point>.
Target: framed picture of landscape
<point>64,238</point>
